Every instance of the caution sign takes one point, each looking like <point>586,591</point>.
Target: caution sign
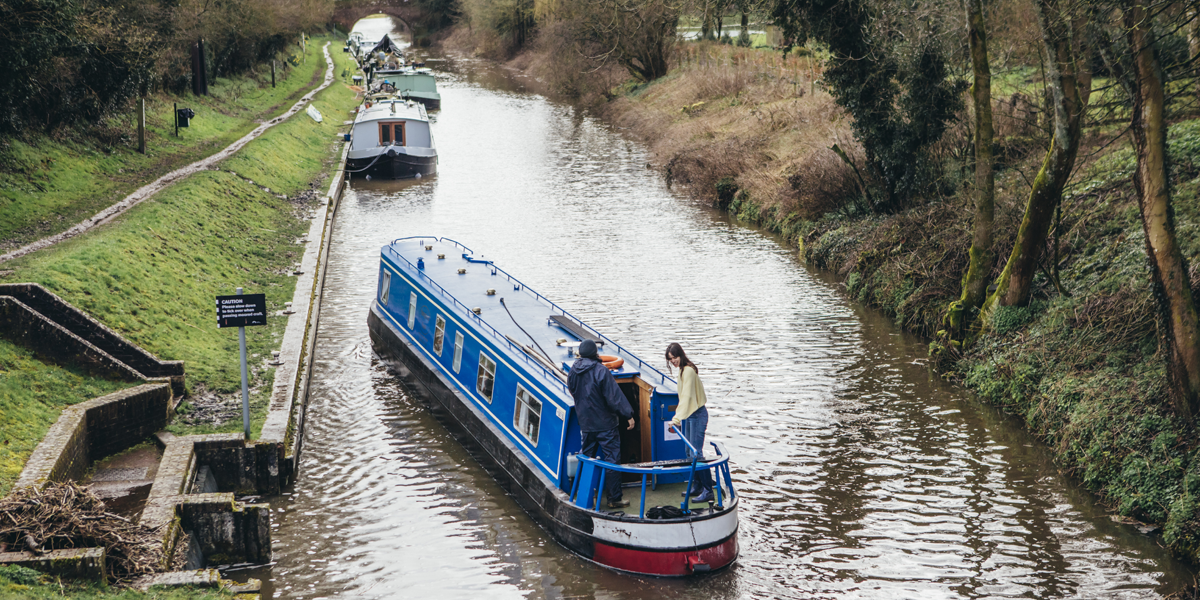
<point>245,310</point>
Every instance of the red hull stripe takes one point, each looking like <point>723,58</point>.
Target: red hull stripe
<point>666,563</point>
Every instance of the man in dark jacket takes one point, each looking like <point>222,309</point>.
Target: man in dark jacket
<point>598,404</point>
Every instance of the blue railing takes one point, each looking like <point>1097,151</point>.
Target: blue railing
<point>590,496</point>
<point>547,373</point>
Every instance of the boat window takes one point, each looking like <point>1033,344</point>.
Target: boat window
<point>487,376</point>
<point>386,287</point>
<point>391,131</point>
<point>527,417</point>
<point>439,334</point>
<point>458,344</point>
<point>412,309</point>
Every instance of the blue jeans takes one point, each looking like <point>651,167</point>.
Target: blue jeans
<point>609,445</point>
<point>693,429</point>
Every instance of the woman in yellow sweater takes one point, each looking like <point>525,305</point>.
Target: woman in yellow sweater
<point>692,414</point>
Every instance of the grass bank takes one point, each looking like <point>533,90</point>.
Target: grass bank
<point>50,181</point>
<point>1081,366</point>
<point>153,273</point>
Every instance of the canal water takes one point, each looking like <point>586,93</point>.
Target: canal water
<point>862,476</point>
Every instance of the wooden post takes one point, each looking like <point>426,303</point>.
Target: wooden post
<point>272,72</point>
<point>142,125</point>
<point>175,116</point>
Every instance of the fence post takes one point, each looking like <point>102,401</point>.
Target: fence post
<point>272,72</point>
<point>142,125</point>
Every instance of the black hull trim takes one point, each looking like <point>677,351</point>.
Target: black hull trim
<point>400,166</point>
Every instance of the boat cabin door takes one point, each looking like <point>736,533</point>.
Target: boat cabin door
<point>635,443</point>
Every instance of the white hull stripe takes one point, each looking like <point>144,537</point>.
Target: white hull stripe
<point>666,536</point>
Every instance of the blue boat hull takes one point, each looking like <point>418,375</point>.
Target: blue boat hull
<point>572,526</point>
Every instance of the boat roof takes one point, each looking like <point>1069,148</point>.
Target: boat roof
<point>536,325</point>
<point>382,111</point>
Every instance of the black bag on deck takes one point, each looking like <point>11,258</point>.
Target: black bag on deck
<point>664,512</point>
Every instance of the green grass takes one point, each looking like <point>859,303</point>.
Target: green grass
<point>32,394</point>
<point>20,583</point>
<point>50,182</point>
<point>152,275</point>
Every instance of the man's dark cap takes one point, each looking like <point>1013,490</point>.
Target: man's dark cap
<point>587,349</point>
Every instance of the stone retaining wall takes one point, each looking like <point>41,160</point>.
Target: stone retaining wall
<point>51,341</point>
<point>69,318</point>
<point>95,429</point>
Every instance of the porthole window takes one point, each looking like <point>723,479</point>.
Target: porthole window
<point>439,335</point>
<point>458,344</point>
<point>487,376</point>
<point>412,309</point>
<point>527,416</point>
<point>385,287</point>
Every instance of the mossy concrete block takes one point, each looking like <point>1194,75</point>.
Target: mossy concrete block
<point>76,563</point>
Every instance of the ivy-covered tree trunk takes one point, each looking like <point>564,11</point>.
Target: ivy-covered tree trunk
<point>1069,86</point>
<point>1177,309</point>
<point>1194,46</point>
<point>975,281</point>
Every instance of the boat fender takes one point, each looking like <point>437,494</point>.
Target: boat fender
<point>391,152</point>
<point>611,362</point>
<point>697,566</point>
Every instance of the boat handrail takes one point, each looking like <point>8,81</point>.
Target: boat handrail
<point>607,340</point>
<point>547,373</point>
<point>720,465</point>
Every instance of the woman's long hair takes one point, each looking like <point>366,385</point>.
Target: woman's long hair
<point>674,349</point>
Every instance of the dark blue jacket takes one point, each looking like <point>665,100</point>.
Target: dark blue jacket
<point>598,398</point>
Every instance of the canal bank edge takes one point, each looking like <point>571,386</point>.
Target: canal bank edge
<point>289,395</point>
<point>1093,391</point>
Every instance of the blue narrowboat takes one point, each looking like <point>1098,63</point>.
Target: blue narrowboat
<point>490,357</point>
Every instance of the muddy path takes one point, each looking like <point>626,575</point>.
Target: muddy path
<point>148,190</point>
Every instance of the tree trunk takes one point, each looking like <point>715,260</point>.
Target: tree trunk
<point>1169,269</point>
<point>745,32</point>
<point>1069,89</point>
<point>974,285</point>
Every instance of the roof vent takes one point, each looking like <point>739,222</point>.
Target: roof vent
<point>462,271</point>
<point>441,257</point>
<point>491,292</point>
<point>428,248</point>
<point>477,310</point>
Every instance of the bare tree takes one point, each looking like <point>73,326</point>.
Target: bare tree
<point>638,34</point>
<point>1177,308</point>
<point>1069,80</point>
<point>974,285</point>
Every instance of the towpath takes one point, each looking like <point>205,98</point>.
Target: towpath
<point>171,178</point>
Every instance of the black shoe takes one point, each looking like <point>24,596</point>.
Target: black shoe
<point>618,503</point>
<point>703,496</point>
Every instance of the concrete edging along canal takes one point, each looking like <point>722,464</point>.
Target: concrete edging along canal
<point>289,396</point>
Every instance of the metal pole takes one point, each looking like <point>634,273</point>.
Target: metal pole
<point>245,388</point>
<point>175,111</point>
<point>272,72</point>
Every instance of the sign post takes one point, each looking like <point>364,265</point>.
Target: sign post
<point>241,311</point>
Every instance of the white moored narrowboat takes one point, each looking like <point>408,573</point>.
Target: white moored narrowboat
<point>392,139</point>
